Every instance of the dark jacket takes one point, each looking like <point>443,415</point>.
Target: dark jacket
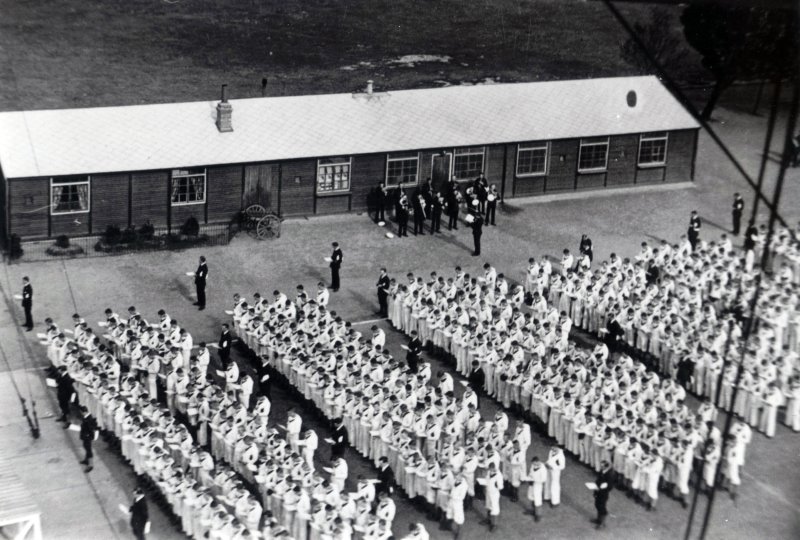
<point>88,428</point>
<point>27,295</point>
<point>200,274</point>
<point>139,516</point>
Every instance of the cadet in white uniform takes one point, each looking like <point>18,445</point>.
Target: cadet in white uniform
<point>555,464</point>
<point>537,476</point>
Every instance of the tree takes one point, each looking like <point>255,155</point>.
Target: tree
<point>660,40</point>
<point>740,43</point>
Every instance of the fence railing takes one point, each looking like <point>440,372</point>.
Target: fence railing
<point>127,242</point>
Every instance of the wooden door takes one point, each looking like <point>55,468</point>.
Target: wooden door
<point>261,184</point>
<point>440,169</point>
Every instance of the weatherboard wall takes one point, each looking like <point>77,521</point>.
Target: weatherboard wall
<point>136,198</point>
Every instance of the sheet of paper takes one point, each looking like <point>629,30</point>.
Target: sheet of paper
<point>68,331</point>
<point>327,259</point>
<point>124,509</point>
<point>229,311</point>
<point>591,485</point>
<point>74,427</point>
<point>41,336</point>
<point>102,324</point>
<point>18,296</point>
<point>213,346</point>
<point>190,274</point>
<point>51,382</point>
<point>329,441</point>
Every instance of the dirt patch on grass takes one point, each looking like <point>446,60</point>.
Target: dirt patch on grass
<point>69,53</point>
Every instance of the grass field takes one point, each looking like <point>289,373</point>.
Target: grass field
<point>71,53</point>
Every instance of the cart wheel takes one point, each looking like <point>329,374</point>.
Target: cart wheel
<point>269,227</point>
<point>255,211</point>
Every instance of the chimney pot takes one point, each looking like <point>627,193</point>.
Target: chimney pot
<point>224,112</point>
<point>369,87</point>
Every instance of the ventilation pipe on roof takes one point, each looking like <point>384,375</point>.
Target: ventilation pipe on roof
<point>224,112</point>
<point>369,87</point>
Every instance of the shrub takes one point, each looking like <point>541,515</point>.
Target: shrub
<point>62,248</point>
<point>62,241</point>
<point>15,250</point>
<point>112,236</point>
<point>147,231</point>
<point>191,227</point>
<point>129,235</point>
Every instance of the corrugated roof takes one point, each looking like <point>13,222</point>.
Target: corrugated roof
<point>165,136</point>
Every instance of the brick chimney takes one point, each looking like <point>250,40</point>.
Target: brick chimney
<point>224,112</point>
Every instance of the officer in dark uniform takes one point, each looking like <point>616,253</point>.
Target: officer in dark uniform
<point>477,229</point>
<point>694,229</point>
<point>200,276</point>
<point>414,350</point>
<point>336,264</point>
<point>738,208</point>
<point>225,345</point>
<point>452,202</point>
<point>402,216</point>
<point>750,237</point>
<point>339,439</point>
<point>27,302</point>
<point>604,482</point>
<point>383,293</point>
<point>481,188</point>
<point>586,247</point>
<point>64,393</point>
<point>477,378</point>
<point>385,477</point>
<point>139,516</point>
<point>87,434</point>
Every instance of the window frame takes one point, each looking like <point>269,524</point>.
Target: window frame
<point>467,151</point>
<point>596,142</point>
<point>521,147</point>
<point>389,159</point>
<point>652,136</point>
<point>87,182</point>
<point>348,162</point>
<point>188,174</point>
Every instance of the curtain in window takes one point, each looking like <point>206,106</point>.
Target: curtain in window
<point>176,189</point>
<point>83,196</point>
<point>196,189</point>
<point>57,194</point>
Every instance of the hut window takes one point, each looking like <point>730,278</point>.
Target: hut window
<point>468,162</point>
<point>653,149</point>
<point>593,155</point>
<point>69,195</point>
<point>333,174</point>
<point>402,169</point>
<point>532,159</point>
<point>188,186</point>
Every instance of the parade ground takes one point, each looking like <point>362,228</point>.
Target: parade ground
<point>79,505</point>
